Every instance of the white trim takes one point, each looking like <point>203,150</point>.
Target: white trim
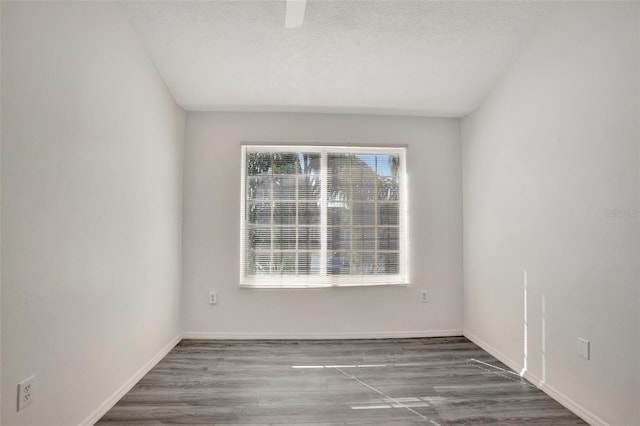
<point>222,335</point>
<point>315,144</point>
<point>243,212</point>
<point>323,278</point>
<point>324,184</point>
<point>129,384</point>
<point>560,397</point>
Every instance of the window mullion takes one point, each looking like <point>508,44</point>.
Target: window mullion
<point>272,197</point>
<point>375,216</point>
<point>352,229</point>
<point>297,228</point>
<point>323,212</point>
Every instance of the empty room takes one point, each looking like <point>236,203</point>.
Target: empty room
<point>320,212</point>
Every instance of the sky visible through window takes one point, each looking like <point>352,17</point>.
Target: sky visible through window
<point>384,163</point>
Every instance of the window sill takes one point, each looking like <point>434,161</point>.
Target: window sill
<point>315,286</point>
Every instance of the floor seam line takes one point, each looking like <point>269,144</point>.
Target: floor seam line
<point>379,392</point>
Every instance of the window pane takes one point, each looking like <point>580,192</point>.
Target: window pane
<point>339,163</point>
<point>251,263</point>
<point>339,238</point>
<point>339,188</point>
<point>364,164</point>
<point>309,238</point>
<point>286,163</point>
<point>309,187</point>
<point>364,214</point>
<point>364,188</point>
<point>339,171</point>
<point>308,263</point>
<point>259,188</point>
<point>338,263</point>
<point>388,214</point>
<point>363,177</point>
<point>308,214</point>
<point>284,187</point>
<point>363,263</point>
<point>388,239</point>
<point>259,238</point>
<point>388,189</point>
<point>258,163</point>
<point>284,214</point>
<point>338,214</point>
<point>259,213</point>
<point>364,239</point>
<point>388,165</point>
<point>260,262</point>
<point>284,263</point>
<point>309,163</point>
<point>284,238</point>
<point>388,263</point>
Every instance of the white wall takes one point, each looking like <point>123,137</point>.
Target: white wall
<point>550,178</point>
<point>211,232</point>
<point>91,208</point>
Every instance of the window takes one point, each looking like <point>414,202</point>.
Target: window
<point>319,216</point>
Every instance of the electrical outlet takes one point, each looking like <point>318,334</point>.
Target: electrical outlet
<point>424,296</point>
<point>25,392</point>
<point>584,348</point>
<point>213,297</point>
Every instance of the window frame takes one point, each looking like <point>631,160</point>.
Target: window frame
<point>324,279</point>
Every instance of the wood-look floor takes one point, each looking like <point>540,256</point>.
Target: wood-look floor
<point>430,381</point>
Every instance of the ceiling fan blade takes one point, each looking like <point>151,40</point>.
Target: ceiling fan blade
<point>295,13</point>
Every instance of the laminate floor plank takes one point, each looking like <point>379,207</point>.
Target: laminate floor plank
<point>429,381</point>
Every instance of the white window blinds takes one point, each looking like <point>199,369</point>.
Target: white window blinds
<point>315,216</point>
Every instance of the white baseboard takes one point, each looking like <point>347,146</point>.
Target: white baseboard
<point>563,399</point>
<point>515,366</point>
<point>214,335</point>
<point>118,394</point>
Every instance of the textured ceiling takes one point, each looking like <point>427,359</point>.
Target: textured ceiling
<point>392,57</point>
